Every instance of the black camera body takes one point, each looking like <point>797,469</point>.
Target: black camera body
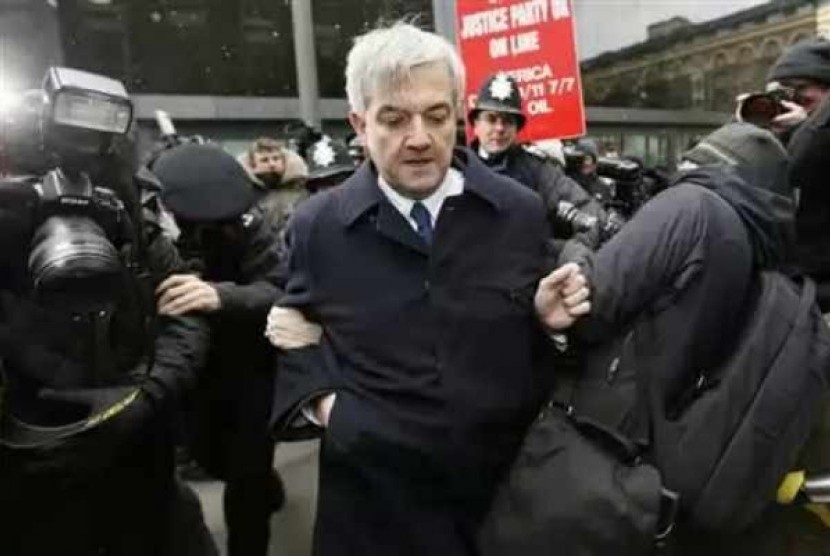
<point>761,109</point>
<point>619,169</point>
<point>578,221</point>
<point>76,229</point>
<point>624,176</point>
<point>74,261</point>
<point>61,195</point>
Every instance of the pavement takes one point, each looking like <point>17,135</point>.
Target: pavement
<point>290,527</point>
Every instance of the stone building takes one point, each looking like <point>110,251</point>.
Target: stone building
<point>706,65</point>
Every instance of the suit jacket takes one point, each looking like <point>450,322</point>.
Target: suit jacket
<point>433,349</point>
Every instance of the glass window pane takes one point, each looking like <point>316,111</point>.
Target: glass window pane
<point>205,47</point>
<point>337,22</point>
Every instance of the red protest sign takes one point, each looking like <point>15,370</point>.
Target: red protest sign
<point>533,41</point>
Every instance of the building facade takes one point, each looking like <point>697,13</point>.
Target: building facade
<point>706,65</point>
<point>228,69</point>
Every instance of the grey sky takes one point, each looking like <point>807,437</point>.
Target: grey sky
<point>610,24</point>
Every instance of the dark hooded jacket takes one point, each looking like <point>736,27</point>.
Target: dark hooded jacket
<point>678,276</point>
<point>809,171</point>
<point>228,240</point>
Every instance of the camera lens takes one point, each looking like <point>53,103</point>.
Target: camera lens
<point>759,110</point>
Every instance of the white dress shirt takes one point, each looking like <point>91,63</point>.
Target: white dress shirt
<point>452,185</point>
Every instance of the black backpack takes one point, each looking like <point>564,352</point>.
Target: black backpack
<point>578,487</point>
<point>726,451</point>
<point>730,439</point>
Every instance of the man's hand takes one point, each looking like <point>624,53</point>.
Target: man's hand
<point>182,293</point>
<point>793,117</point>
<point>288,329</point>
<point>323,407</point>
<point>562,297</point>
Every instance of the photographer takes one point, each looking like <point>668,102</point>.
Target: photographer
<point>805,68</point>
<point>796,108</point>
<point>227,238</point>
<point>583,170</point>
<point>497,118</point>
<point>89,374</point>
<point>797,84</point>
<point>809,168</point>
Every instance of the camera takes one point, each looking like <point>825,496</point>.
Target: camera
<point>624,176</point>
<point>77,228</point>
<point>581,222</point>
<point>761,109</point>
<point>578,221</point>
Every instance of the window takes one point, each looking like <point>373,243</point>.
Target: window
<point>336,22</point>
<point>204,47</point>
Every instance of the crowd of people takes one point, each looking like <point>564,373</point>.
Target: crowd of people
<point>417,304</point>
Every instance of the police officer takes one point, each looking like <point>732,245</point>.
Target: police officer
<point>89,374</point>
<point>234,251</point>
<point>329,163</point>
<point>497,118</point>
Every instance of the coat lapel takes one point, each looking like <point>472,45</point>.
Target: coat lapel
<point>363,198</point>
<point>392,225</point>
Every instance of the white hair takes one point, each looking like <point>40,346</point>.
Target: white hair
<point>385,57</point>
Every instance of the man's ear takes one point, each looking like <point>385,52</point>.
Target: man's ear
<point>358,122</point>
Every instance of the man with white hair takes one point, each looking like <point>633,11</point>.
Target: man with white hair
<point>422,270</point>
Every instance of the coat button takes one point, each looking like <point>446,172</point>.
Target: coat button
<point>426,285</point>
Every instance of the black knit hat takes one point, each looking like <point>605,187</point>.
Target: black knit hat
<point>500,93</point>
<point>203,183</point>
<point>756,154</point>
<point>807,59</point>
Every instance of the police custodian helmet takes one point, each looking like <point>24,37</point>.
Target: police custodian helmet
<point>203,183</point>
<point>328,158</point>
<point>500,93</point>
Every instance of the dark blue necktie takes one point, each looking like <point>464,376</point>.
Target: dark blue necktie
<point>423,220</point>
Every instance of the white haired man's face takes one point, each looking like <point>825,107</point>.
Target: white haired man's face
<point>409,130</point>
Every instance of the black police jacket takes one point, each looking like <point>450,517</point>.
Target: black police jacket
<point>552,185</point>
<point>679,275</point>
<point>245,273</point>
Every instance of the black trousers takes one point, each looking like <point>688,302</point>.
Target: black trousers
<point>229,437</point>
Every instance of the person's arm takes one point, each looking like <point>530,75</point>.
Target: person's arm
<point>307,370</point>
<point>657,250</point>
<point>181,342</point>
<point>554,187</point>
<point>247,298</point>
<point>254,296</point>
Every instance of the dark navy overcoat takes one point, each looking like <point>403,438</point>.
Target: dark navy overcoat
<point>435,353</point>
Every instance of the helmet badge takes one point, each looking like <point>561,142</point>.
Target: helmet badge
<point>501,88</point>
